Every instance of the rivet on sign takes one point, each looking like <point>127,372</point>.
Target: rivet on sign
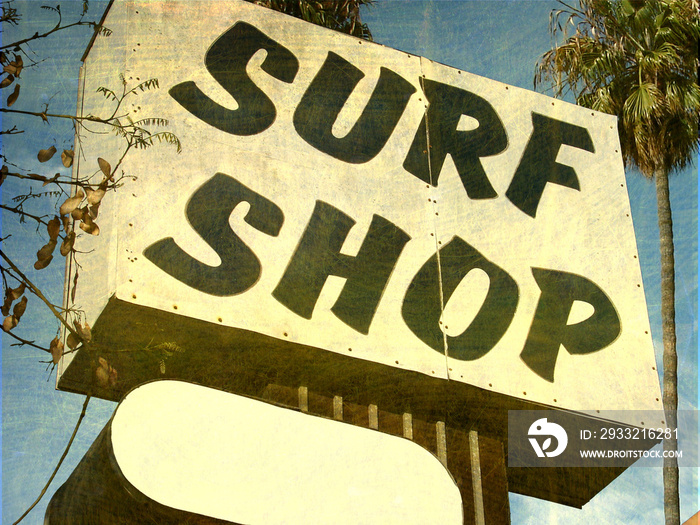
<point>349,349</point>
<point>555,400</point>
<point>646,331</point>
<point>285,334</point>
<point>552,103</point>
<point>653,368</point>
<point>131,224</point>
<point>220,320</point>
<point>133,296</point>
<point>174,307</point>
<point>396,362</point>
<point>490,384</point>
<point>642,422</point>
<point>524,393</point>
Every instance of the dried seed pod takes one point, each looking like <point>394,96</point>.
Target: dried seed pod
<point>45,155</point>
<point>67,158</point>
<point>72,203</point>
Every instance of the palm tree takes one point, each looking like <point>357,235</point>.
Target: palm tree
<point>638,59</point>
<point>341,15</point>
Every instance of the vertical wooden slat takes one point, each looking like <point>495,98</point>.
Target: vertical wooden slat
<point>441,442</point>
<point>303,399</point>
<point>408,425</point>
<point>373,417</point>
<point>476,478</point>
<point>338,408</point>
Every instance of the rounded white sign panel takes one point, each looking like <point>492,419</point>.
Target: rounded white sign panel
<point>229,457</point>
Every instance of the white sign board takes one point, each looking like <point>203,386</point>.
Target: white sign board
<point>236,459</point>
<point>353,198</point>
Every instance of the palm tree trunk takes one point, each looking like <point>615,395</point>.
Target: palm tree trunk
<point>670,360</point>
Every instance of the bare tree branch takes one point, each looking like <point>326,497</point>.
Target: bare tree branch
<point>60,461</point>
<point>40,295</point>
<point>56,28</point>
<point>19,211</point>
<point>23,342</point>
<point>12,131</point>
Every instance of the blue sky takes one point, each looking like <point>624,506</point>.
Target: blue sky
<point>494,38</point>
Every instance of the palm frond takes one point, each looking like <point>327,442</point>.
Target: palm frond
<point>642,102</point>
<point>634,59</point>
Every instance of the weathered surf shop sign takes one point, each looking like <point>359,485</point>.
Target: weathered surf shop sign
<point>339,200</point>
